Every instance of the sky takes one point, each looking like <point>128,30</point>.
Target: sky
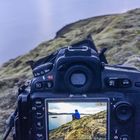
<point>25,24</point>
<point>84,107</point>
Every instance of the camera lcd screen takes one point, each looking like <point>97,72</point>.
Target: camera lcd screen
<point>72,120</point>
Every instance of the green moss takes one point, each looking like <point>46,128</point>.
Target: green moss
<point>85,128</point>
<point>138,32</point>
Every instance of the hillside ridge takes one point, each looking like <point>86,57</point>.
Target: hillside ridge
<point>88,127</point>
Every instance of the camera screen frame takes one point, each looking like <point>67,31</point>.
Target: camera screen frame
<point>76,100</point>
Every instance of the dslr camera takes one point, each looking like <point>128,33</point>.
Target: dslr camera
<point>76,95</point>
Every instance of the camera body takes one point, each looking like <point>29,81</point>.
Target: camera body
<point>76,76</point>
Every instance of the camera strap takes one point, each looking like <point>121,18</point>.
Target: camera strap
<point>10,124</point>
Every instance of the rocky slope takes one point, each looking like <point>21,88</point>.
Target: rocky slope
<point>120,33</point>
<point>91,127</point>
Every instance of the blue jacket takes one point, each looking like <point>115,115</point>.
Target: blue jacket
<point>76,115</point>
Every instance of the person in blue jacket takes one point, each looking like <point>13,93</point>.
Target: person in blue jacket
<point>76,115</point>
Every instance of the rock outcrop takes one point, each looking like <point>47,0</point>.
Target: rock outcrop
<point>91,127</point>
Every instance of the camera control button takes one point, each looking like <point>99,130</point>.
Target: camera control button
<point>39,114</point>
<point>116,137</point>
<point>125,83</point>
<point>39,124</point>
<point>111,83</point>
<point>124,137</point>
<point>38,85</point>
<point>48,84</point>
<point>33,108</point>
<point>38,102</point>
<point>39,136</point>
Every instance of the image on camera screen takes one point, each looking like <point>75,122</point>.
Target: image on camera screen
<point>77,120</point>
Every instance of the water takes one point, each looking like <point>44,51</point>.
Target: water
<point>57,120</point>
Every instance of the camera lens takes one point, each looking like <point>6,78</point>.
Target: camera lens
<point>78,79</point>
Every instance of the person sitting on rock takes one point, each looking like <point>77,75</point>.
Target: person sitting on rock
<point>76,115</point>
